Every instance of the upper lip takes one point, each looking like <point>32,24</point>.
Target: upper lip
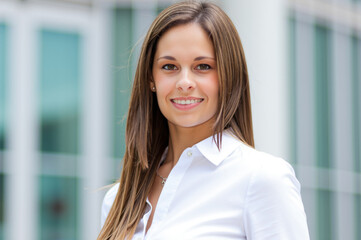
<point>185,98</point>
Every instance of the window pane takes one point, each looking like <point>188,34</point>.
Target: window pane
<point>325,215</point>
<point>2,176</point>
<point>3,55</point>
<point>323,85</point>
<point>60,74</point>
<point>58,208</point>
<point>122,81</point>
<point>356,95</point>
<point>358,216</point>
<point>59,93</point>
<point>323,141</point>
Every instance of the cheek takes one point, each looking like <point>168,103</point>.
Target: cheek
<point>164,88</point>
<point>212,88</point>
<point>163,85</point>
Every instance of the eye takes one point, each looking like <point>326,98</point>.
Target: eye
<point>169,67</point>
<point>203,67</point>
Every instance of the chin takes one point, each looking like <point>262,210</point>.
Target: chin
<point>191,124</point>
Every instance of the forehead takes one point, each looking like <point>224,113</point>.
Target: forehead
<point>186,39</point>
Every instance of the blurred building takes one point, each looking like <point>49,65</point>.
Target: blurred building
<point>66,69</point>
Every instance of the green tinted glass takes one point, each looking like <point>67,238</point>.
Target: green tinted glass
<point>58,207</point>
<point>3,56</point>
<point>323,141</point>
<point>60,75</point>
<point>358,216</point>
<point>122,80</point>
<point>322,90</point>
<point>2,178</point>
<point>324,214</point>
<point>59,93</point>
<point>356,95</point>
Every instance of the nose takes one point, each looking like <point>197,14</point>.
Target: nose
<point>185,82</point>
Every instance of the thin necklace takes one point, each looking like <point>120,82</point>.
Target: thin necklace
<point>164,179</point>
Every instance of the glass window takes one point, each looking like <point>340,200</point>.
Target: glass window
<point>325,214</point>
<point>356,101</point>
<point>161,7</point>
<point>358,216</point>
<point>3,35</point>
<point>60,74</point>
<point>356,95</point>
<point>3,55</point>
<point>59,91</point>
<point>322,90</point>
<point>2,225</point>
<point>122,81</point>
<point>323,133</point>
<point>58,207</point>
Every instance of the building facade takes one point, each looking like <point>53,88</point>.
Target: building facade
<point>66,70</point>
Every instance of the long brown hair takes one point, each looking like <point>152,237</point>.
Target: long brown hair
<point>147,132</point>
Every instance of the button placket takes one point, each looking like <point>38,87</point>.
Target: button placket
<point>170,189</point>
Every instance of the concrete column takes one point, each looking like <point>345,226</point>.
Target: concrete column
<point>262,27</point>
<point>342,144</point>
<point>95,161</point>
<point>21,191</point>
<point>143,16</point>
<point>305,109</point>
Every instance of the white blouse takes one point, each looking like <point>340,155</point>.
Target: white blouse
<point>235,193</point>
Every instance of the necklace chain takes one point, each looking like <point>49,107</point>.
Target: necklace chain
<point>163,178</point>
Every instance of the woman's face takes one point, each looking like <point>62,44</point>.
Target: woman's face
<point>185,76</point>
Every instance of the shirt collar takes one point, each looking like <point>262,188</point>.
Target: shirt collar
<point>209,149</point>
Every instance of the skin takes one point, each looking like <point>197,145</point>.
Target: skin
<point>184,68</point>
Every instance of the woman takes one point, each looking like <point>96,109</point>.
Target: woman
<point>190,170</point>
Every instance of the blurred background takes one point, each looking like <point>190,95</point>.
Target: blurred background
<point>66,70</point>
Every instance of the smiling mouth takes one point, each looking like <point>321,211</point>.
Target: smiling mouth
<point>188,101</point>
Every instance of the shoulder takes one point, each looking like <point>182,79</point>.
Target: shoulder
<point>273,204</point>
<point>265,167</point>
<point>110,196</point>
<point>108,202</point>
<point>252,158</point>
<point>272,183</point>
<point>257,167</point>
<point>263,173</point>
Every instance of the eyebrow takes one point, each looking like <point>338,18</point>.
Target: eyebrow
<point>196,59</point>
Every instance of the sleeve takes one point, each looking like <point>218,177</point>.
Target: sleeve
<point>108,203</point>
<point>273,204</point>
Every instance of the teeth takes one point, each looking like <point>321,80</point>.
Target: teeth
<point>185,102</point>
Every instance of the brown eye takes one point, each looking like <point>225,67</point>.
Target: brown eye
<point>169,67</point>
<point>203,67</point>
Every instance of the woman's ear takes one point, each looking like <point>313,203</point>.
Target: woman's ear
<point>152,86</point>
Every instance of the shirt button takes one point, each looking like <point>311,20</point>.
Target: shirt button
<point>189,153</point>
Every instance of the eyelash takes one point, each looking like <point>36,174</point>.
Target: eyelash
<point>169,65</point>
<point>173,67</point>
<point>203,65</point>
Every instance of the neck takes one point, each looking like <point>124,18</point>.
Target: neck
<point>181,138</point>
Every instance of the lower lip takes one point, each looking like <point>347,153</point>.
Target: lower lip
<point>186,106</point>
